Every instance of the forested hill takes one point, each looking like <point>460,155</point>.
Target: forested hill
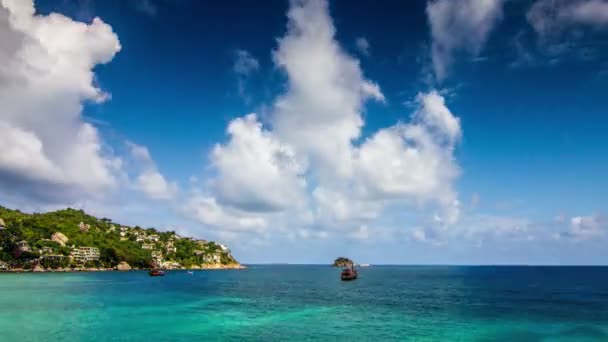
<point>71,238</point>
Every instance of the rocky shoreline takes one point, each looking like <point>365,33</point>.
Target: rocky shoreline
<point>38,269</point>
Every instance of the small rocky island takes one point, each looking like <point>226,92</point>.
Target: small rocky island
<point>343,262</point>
<point>71,240</point>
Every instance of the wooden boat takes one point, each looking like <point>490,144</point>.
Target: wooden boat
<point>348,274</point>
<point>156,273</point>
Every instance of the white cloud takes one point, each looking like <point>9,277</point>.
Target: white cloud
<point>362,45</point>
<point>585,227</point>
<point>413,161</point>
<point>308,174</point>
<point>149,180</point>
<point>46,64</point>
<point>256,172</point>
<point>459,25</point>
<point>551,17</point>
<point>206,210</point>
<point>320,114</point>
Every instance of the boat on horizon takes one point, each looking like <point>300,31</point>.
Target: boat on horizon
<point>349,273</point>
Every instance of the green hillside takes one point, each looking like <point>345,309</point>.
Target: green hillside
<point>27,240</point>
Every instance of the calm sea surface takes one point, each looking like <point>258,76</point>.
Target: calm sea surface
<point>301,303</point>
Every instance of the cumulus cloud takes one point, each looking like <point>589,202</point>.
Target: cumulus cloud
<point>551,17</point>
<point>459,25</point>
<point>311,172</point>
<point>46,65</point>
<point>415,160</point>
<point>256,171</point>
<point>362,45</point>
<point>149,180</point>
<point>320,114</point>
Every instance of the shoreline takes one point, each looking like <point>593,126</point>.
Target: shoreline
<point>87,270</point>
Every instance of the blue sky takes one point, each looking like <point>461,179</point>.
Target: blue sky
<point>418,132</point>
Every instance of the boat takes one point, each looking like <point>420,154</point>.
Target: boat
<point>190,272</point>
<point>349,273</point>
<point>156,273</point>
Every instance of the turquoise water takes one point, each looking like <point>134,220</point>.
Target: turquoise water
<point>302,303</point>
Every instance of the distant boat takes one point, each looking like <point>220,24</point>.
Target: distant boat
<point>349,273</point>
<point>156,273</point>
<point>364,265</point>
<point>190,272</point>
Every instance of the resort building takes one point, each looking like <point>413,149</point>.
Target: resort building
<point>3,266</point>
<point>153,237</point>
<point>84,254</point>
<point>2,226</point>
<point>157,254</point>
<point>148,246</point>
<point>171,249</point>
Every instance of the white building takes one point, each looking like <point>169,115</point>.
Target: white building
<point>148,246</point>
<point>84,254</point>
<point>153,237</point>
<point>2,226</point>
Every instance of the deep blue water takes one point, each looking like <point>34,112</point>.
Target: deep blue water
<point>302,303</point>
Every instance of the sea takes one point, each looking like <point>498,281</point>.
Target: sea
<point>309,303</point>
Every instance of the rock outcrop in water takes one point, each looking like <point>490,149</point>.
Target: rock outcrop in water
<point>123,266</point>
<point>343,262</point>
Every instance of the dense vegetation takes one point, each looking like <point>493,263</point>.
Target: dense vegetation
<point>37,230</point>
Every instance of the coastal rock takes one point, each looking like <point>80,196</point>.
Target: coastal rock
<point>38,268</point>
<point>123,266</point>
<point>343,262</point>
<point>60,238</point>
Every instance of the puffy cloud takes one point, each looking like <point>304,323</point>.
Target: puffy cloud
<point>413,161</point>
<point>551,17</point>
<point>320,114</point>
<point>459,25</point>
<point>256,171</point>
<point>46,64</point>
<point>154,185</point>
<point>309,173</point>
<point>362,45</point>
<point>149,180</point>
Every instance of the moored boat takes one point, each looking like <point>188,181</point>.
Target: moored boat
<point>156,273</point>
<point>349,273</point>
